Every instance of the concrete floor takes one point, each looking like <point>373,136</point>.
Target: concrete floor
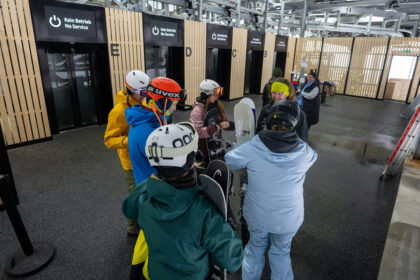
<point>71,190</point>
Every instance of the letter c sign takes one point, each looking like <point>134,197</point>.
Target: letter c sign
<point>234,53</point>
<point>265,53</point>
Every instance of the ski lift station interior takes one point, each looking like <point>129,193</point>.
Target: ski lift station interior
<point>62,63</point>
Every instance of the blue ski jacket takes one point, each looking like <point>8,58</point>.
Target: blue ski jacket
<point>274,199</point>
<point>142,122</point>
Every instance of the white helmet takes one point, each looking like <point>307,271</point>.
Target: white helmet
<point>171,148</point>
<point>210,87</point>
<point>136,81</point>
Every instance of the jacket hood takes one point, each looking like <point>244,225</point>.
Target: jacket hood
<point>121,97</point>
<point>168,202</point>
<point>297,158</point>
<point>138,115</point>
<point>198,103</point>
<point>279,141</point>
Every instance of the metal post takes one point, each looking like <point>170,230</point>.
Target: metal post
<point>238,10</point>
<point>303,19</point>
<point>266,15</point>
<point>200,10</point>
<point>281,17</point>
<point>14,216</point>
<point>397,25</point>
<point>369,24</point>
<point>338,19</point>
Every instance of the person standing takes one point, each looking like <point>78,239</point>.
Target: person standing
<point>116,134</point>
<point>282,89</point>
<point>276,161</point>
<point>311,99</point>
<point>180,225</point>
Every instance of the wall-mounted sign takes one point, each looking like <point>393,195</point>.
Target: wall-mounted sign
<point>162,31</point>
<point>281,44</point>
<point>406,51</point>
<point>219,36</point>
<point>255,40</point>
<point>70,23</point>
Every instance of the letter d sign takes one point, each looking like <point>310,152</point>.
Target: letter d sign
<point>188,51</point>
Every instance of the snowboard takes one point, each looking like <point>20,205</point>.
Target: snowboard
<point>250,103</point>
<point>216,145</point>
<point>244,123</point>
<point>214,193</point>
<point>218,170</point>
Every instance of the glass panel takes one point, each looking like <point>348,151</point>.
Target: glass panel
<point>248,72</point>
<point>162,61</point>
<point>61,87</point>
<point>399,78</point>
<point>85,88</point>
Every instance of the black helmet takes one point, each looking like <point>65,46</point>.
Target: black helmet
<point>284,112</point>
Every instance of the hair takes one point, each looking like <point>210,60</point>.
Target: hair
<point>289,84</point>
<point>220,107</point>
<point>313,74</point>
<point>279,127</point>
<point>277,72</point>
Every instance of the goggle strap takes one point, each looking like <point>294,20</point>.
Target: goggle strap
<point>166,152</point>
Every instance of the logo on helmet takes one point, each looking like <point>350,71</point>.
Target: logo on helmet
<point>164,93</point>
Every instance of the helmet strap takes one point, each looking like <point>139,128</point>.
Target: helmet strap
<point>154,109</point>
<point>164,111</point>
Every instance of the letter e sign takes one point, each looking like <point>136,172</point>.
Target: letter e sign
<point>115,49</point>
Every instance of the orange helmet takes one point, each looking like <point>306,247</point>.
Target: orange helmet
<point>162,92</point>
<point>161,87</point>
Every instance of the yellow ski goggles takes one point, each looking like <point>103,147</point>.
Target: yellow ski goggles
<point>280,87</point>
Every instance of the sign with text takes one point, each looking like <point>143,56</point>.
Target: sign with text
<point>255,40</point>
<point>219,36</point>
<point>160,31</point>
<point>281,44</point>
<point>70,23</point>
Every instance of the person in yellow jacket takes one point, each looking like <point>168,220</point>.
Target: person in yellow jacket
<point>116,134</point>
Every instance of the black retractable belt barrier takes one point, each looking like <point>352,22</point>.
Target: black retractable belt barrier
<point>34,257</point>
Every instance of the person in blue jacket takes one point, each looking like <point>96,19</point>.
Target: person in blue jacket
<point>276,161</point>
<point>163,95</point>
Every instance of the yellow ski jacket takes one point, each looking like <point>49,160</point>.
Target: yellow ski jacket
<point>116,134</point>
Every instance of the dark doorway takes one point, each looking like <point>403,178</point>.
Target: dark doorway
<point>253,71</point>
<point>164,61</point>
<point>76,85</point>
<point>280,61</point>
<point>218,68</point>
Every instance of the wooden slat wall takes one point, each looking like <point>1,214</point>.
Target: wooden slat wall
<point>23,113</point>
<point>309,48</point>
<point>366,66</point>
<point>268,59</point>
<point>237,71</point>
<point>290,57</point>
<point>335,61</point>
<point>125,29</point>
<point>396,47</point>
<point>195,64</point>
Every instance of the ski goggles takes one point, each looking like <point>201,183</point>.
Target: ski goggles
<point>280,87</point>
<point>218,91</point>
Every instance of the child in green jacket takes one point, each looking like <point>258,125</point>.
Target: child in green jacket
<point>181,226</point>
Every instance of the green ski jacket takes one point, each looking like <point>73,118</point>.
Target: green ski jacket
<point>181,227</point>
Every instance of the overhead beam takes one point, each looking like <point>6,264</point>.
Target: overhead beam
<point>323,5</point>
